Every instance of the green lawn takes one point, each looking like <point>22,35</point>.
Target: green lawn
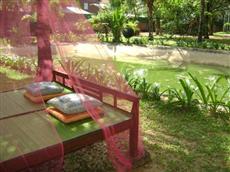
<point>184,141</point>
<point>12,74</point>
<point>222,33</point>
<point>168,75</point>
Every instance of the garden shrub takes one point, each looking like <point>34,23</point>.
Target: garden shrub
<point>205,44</point>
<point>139,40</point>
<point>21,64</point>
<point>211,96</point>
<point>184,97</point>
<point>155,93</point>
<point>227,26</point>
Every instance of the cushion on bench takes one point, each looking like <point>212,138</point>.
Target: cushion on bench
<point>67,118</point>
<point>73,103</point>
<point>40,99</point>
<point>44,88</point>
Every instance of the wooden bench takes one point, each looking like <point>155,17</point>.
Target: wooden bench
<point>75,135</point>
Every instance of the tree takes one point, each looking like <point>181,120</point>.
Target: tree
<point>149,4</point>
<point>201,22</point>
<point>215,9</point>
<point>114,19</point>
<point>45,62</point>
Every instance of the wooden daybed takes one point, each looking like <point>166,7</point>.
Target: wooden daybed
<point>73,136</point>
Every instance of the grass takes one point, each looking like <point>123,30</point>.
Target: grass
<point>13,74</point>
<point>162,71</point>
<point>184,141</point>
<point>222,33</point>
<point>168,75</point>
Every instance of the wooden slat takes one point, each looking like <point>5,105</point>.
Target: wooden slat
<point>25,134</point>
<point>14,103</point>
<point>34,134</point>
<point>84,140</point>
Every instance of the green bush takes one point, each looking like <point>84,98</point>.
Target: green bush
<point>155,93</point>
<point>205,44</point>
<point>21,64</point>
<point>210,96</point>
<point>185,96</point>
<point>139,40</point>
<point>227,26</point>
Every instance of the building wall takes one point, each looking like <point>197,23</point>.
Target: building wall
<point>88,3</point>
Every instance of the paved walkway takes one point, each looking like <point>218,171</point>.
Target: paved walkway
<point>139,53</point>
<point>136,53</point>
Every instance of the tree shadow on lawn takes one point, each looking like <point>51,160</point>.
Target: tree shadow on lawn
<point>11,84</point>
<point>181,140</point>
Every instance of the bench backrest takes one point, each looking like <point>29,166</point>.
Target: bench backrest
<point>94,90</point>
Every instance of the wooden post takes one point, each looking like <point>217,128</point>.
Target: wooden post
<point>134,131</point>
<point>45,62</point>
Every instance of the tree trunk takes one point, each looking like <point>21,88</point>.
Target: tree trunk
<point>211,26</point>
<point>45,62</point>
<point>3,19</point>
<point>207,21</point>
<point>150,18</point>
<point>158,25</point>
<point>201,22</point>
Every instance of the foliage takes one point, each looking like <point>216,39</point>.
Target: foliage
<point>102,74</point>
<point>227,106</point>
<point>22,64</point>
<point>227,26</point>
<point>176,16</point>
<point>110,19</point>
<point>201,94</point>
<point>210,96</point>
<point>139,40</point>
<point>165,40</point>
<point>143,88</point>
<point>155,93</point>
<point>185,97</point>
<point>28,17</point>
<point>130,29</point>
<point>216,98</point>
<point>204,44</point>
